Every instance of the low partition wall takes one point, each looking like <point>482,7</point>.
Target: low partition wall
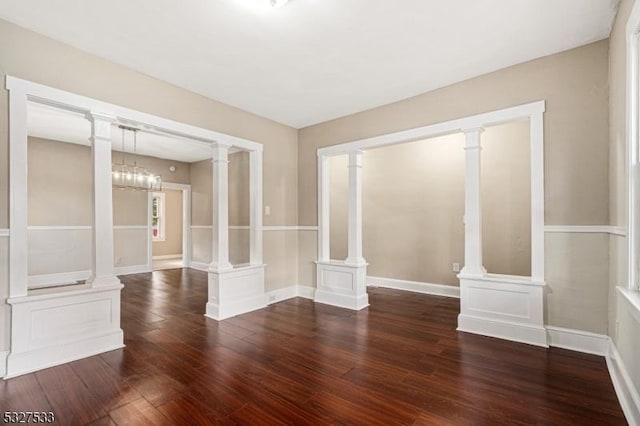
<point>343,285</point>
<point>62,325</point>
<point>505,307</point>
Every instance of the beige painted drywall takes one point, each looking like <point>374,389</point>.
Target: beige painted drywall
<point>172,244</point>
<point>413,204</point>
<point>59,183</point>
<point>575,86</point>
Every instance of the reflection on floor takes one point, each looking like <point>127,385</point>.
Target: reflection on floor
<point>162,264</point>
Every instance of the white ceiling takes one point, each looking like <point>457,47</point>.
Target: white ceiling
<point>65,126</point>
<point>315,60</point>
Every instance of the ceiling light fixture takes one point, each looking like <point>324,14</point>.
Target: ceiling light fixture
<point>131,176</point>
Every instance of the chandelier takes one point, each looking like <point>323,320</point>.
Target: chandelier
<point>131,176</point>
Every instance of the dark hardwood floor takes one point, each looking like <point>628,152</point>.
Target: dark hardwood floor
<point>400,361</point>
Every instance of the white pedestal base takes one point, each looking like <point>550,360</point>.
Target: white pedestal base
<point>504,307</point>
<point>342,285</point>
<point>53,328</point>
<point>236,291</point>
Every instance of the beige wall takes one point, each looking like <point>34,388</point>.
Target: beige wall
<point>172,243</point>
<point>413,205</point>
<point>575,86</point>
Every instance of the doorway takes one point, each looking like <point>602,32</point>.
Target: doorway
<point>169,227</point>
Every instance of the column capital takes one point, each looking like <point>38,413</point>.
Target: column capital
<point>100,125</point>
<point>472,138</point>
<point>478,129</point>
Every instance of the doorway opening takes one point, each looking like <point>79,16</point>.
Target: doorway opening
<point>169,213</point>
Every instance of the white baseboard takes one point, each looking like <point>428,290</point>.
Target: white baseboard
<point>415,286</point>
<point>577,340</point>
<point>346,301</point>
<point>516,332</point>
<point>237,307</point>
<point>47,280</point>
<point>133,269</point>
<point>625,390</point>
<point>306,292</point>
<point>290,292</point>
<point>3,363</point>
<point>41,358</point>
<point>199,266</point>
<point>167,256</point>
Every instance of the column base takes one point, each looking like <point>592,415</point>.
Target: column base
<point>235,292</point>
<point>106,281</point>
<point>342,285</point>
<point>505,307</point>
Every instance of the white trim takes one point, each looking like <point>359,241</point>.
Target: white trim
<point>133,269</point>
<point>286,293</point>
<point>49,280</point>
<point>60,228</point>
<point>167,256</point>
<point>632,164</point>
<point>3,363</point>
<point>72,101</point>
<point>239,227</point>
<point>290,228</point>
<point>132,227</point>
<point>578,340</point>
<point>517,332</point>
<point>4,233</point>
<point>281,294</point>
<point>587,229</point>
<point>306,292</point>
<point>415,286</point>
<point>625,389</point>
<point>453,126</point>
<point>199,266</point>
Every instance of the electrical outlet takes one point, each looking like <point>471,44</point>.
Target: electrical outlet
<point>455,267</point>
<point>267,210</point>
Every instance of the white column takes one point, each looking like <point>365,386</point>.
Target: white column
<point>255,203</point>
<point>18,211</point>
<point>220,229</point>
<point>354,256</point>
<point>536,142</point>
<point>324,225</point>
<point>103,270</point>
<point>472,204</point>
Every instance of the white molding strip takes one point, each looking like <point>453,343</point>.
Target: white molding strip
<point>167,256</point>
<point>60,228</point>
<point>133,269</point>
<point>5,232</point>
<point>290,228</point>
<point>267,228</point>
<point>199,266</point>
<point>587,229</point>
<point>578,340</point>
<point>281,294</point>
<point>3,363</point>
<point>415,286</point>
<point>625,390</point>
<point>50,280</point>
<point>139,227</point>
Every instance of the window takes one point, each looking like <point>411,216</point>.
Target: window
<point>158,217</point>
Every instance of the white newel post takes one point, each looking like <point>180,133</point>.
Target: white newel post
<point>354,256</point>
<point>342,284</point>
<point>234,291</point>
<point>472,204</point>
<point>103,269</point>
<point>220,228</point>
